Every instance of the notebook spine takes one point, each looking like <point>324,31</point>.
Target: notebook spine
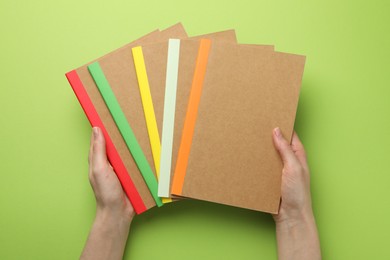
<point>112,153</point>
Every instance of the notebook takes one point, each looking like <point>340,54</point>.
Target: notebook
<point>242,93</point>
<point>153,60</point>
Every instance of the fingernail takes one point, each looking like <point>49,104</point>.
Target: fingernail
<point>277,132</point>
<point>95,132</point>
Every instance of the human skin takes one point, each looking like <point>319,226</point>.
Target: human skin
<point>114,213</point>
<point>296,230</point>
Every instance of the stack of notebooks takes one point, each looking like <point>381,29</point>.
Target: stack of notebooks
<point>192,117</point>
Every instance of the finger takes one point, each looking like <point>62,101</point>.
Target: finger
<point>90,155</point>
<point>99,157</point>
<point>90,150</point>
<point>284,148</point>
<point>299,150</point>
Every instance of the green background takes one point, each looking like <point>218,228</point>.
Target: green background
<point>46,203</point>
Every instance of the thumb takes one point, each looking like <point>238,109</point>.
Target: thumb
<point>99,157</point>
<point>283,147</point>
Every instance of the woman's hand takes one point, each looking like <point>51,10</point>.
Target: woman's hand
<point>110,198</point>
<point>296,229</point>
<point>114,213</point>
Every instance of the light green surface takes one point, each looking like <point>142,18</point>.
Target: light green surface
<point>46,204</point>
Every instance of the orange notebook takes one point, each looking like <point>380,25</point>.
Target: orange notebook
<point>238,95</point>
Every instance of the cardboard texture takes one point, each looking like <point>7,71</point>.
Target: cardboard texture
<point>148,108</point>
<point>81,82</point>
<point>108,123</point>
<point>112,153</point>
<point>246,93</point>
<point>192,112</point>
<point>125,129</point>
<point>143,83</point>
<point>155,56</point>
<point>188,55</point>
<point>147,104</point>
<point>214,105</point>
<point>120,72</point>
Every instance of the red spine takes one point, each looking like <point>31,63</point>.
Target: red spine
<point>112,154</point>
